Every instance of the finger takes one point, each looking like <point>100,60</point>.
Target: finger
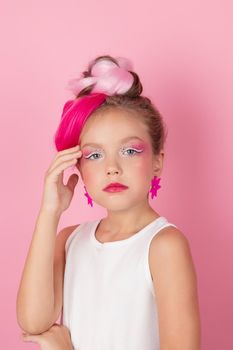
<point>60,178</point>
<point>66,157</point>
<point>56,173</point>
<point>68,150</point>
<point>30,338</point>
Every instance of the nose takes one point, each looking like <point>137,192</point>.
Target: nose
<point>113,169</point>
<point>112,172</point>
<point>113,166</point>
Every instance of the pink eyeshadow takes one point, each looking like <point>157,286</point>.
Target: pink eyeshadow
<point>86,153</point>
<point>138,146</point>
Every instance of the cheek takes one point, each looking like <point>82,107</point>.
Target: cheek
<point>89,171</point>
<point>142,173</point>
<point>87,177</point>
<point>143,161</point>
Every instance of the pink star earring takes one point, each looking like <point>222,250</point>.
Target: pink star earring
<point>154,186</point>
<point>89,199</point>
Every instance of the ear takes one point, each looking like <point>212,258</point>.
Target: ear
<point>158,163</point>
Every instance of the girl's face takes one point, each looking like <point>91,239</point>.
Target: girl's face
<point>116,147</point>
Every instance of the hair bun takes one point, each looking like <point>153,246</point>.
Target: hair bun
<point>102,65</point>
<point>107,75</point>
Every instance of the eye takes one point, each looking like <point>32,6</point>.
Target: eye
<point>93,154</point>
<point>131,149</point>
<point>130,152</point>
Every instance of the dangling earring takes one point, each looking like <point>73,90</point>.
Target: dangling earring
<point>154,186</point>
<point>88,197</point>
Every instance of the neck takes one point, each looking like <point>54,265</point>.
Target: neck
<point>128,221</point>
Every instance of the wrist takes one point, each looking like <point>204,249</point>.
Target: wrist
<point>50,214</point>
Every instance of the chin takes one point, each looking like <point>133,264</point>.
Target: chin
<point>115,204</point>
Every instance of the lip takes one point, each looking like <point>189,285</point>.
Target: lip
<point>115,187</point>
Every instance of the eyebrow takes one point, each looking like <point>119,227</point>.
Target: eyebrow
<point>122,140</point>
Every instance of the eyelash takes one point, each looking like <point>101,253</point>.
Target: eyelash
<point>136,151</point>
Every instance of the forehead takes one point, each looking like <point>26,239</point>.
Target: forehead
<point>113,127</point>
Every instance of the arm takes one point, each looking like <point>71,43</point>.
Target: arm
<point>35,298</point>
<point>39,297</point>
<point>56,338</point>
<point>175,285</point>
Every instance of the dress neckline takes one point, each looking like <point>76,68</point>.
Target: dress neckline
<point>135,236</point>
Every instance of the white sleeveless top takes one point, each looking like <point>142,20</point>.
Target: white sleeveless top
<point>108,299</point>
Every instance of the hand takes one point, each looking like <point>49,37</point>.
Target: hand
<point>56,338</point>
<point>56,195</point>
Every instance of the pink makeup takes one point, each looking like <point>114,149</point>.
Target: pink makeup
<point>138,146</point>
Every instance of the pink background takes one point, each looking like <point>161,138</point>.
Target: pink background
<point>182,51</point>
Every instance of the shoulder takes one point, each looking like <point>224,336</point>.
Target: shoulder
<point>168,238</point>
<point>170,250</point>
<point>66,232</point>
<point>61,239</point>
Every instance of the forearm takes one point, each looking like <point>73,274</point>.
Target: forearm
<point>56,338</point>
<point>35,299</point>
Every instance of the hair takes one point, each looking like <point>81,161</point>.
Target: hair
<point>108,83</point>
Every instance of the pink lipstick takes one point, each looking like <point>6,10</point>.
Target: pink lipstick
<point>115,187</point>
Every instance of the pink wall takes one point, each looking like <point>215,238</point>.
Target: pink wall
<point>183,52</point>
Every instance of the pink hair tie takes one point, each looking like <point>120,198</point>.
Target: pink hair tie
<point>107,77</point>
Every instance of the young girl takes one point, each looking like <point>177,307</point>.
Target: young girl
<point>125,281</point>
